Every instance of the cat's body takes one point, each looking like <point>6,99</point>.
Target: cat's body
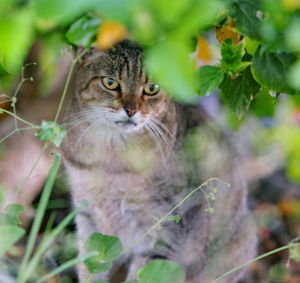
<point>135,154</point>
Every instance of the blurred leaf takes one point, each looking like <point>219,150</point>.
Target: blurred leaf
<point>278,273</point>
<point>175,218</point>
<point>109,247</point>
<point>292,34</point>
<point>239,92</point>
<point>263,104</point>
<point>94,266</point>
<point>169,64</point>
<point>1,194</point>
<point>9,235</point>
<point>109,34</point>
<point>270,69</point>
<point>251,45</point>
<point>210,77</point>
<point>294,75</point>
<point>6,219</point>
<point>203,50</point>
<point>161,271</point>
<point>244,13</point>
<point>295,253</point>
<point>84,30</point>
<point>100,281</point>
<point>15,210</point>
<point>16,30</point>
<point>50,13</point>
<point>51,131</point>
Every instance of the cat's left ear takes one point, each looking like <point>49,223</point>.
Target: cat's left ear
<point>85,54</point>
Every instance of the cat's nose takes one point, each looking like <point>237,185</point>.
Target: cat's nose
<point>130,112</point>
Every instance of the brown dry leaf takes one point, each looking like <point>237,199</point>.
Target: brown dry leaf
<point>110,33</point>
<point>203,50</point>
<point>227,31</point>
<point>289,207</point>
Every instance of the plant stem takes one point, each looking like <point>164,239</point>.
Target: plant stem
<point>39,217</point>
<point>19,118</point>
<point>255,259</point>
<point>67,265</point>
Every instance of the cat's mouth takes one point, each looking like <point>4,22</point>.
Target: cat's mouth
<point>126,124</point>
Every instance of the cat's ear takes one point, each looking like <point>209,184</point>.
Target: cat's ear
<point>85,54</point>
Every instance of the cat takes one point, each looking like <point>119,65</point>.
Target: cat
<point>132,153</point>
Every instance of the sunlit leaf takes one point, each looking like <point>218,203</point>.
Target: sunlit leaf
<point>210,77</point>
<point>10,234</point>
<point>161,271</point>
<point>84,30</point>
<point>170,65</point>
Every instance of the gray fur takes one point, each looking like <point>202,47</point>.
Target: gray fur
<point>130,174</point>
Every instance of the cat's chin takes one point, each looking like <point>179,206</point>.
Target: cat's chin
<point>127,126</point>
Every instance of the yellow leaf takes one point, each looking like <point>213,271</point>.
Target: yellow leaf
<point>203,50</point>
<point>109,34</point>
<point>291,5</point>
<point>227,31</point>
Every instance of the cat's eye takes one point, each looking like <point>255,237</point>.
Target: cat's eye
<point>151,89</point>
<point>110,83</point>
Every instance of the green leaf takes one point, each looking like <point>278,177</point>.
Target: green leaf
<point>175,218</point>
<point>15,210</point>
<point>109,247</point>
<point>244,13</point>
<point>84,30</point>
<point>161,271</point>
<point>16,29</point>
<point>169,64</point>
<point>6,219</point>
<point>271,69</point>
<point>264,104</point>
<point>51,131</point>
<point>238,93</point>
<point>10,234</point>
<point>94,266</point>
<point>210,77</point>
<point>232,56</point>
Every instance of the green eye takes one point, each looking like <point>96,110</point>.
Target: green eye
<point>110,83</point>
<point>151,89</point>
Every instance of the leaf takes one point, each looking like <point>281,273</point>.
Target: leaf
<point>244,13</point>
<point>16,30</point>
<point>94,266</point>
<point>232,56</point>
<point>1,194</point>
<point>170,65</point>
<point>14,210</point>
<point>161,271</point>
<point>84,30</point>
<point>239,92</point>
<point>175,218</point>
<point>51,131</point>
<point>109,247</point>
<point>271,69</point>
<point>210,77</point>
<point>9,235</point>
<point>264,104</point>
<point>6,219</point>
<point>110,33</point>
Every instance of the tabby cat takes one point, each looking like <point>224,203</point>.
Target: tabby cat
<point>132,153</point>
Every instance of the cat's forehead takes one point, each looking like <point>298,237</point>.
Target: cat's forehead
<point>124,61</point>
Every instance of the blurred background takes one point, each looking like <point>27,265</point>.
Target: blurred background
<point>251,88</point>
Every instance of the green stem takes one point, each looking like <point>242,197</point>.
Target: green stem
<point>39,217</point>
<point>19,118</point>
<point>67,265</point>
<point>48,240</point>
<point>158,223</point>
<point>13,132</point>
<point>253,260</point>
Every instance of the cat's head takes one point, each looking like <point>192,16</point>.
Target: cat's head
<point>112,88</point>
